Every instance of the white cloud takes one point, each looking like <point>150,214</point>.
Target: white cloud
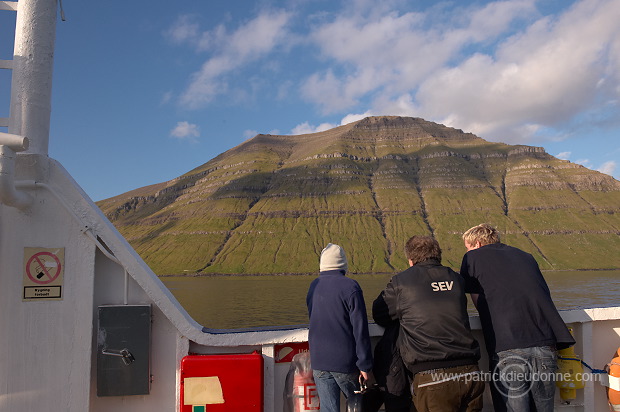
<point>326,90</point>
<point>185,130</point>
<point>306,128</point>
<point>350,118</point>
<point>375,54</point>
<point>608,168</point>
<point>184,29</point>
<point>259,36</point>
<point>563,155</point>
<point>247,134</point>
<point>584,162</point>
<point>393,52</point>
<point>461,69</point>
<point>499,69</point>
<point>546,75</point>
<point>495,17</point>
<point>211,40</point>
<point>248,43</point>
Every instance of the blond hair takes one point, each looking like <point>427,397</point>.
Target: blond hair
<point>483,233</point>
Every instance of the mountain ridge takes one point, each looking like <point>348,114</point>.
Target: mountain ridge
<point>368,185</point>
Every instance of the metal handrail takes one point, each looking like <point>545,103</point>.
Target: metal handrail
<point>8,5</point>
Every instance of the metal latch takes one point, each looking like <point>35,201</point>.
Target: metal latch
<point>128,358</point>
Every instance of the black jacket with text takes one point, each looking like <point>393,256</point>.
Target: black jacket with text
<point>429,301</point>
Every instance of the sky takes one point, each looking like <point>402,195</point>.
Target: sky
<point>145,91</point>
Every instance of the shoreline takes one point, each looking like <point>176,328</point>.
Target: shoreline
<point>199,275</point>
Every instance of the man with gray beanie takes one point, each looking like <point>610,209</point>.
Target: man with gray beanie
<point>340,350</point>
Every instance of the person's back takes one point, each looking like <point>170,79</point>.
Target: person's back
<point>514,304</point>
<point>340,349</point>
<point>432,308</point>
<point>336,314</point>
<point>435,340</point>
<point>520,323</point>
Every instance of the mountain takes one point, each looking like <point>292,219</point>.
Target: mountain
<point>269,205</point>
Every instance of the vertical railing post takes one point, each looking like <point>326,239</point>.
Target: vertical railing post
<point>33,60</point>
<point>268,352</point>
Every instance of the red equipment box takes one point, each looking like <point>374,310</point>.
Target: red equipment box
<point>222,383</point>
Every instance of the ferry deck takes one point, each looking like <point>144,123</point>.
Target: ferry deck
<point>88,326</point>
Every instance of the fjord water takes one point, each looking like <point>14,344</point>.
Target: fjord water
<point>224,302</point>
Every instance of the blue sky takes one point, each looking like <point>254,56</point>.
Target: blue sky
<point>145,91</point>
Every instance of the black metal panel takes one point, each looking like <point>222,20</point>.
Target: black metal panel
<point>123,347</point>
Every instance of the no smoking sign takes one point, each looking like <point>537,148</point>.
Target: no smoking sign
<point>43,273</point>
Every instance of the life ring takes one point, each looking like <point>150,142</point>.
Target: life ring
<point>613,392</point>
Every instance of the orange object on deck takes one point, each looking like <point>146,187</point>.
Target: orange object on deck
<point>613,395</point>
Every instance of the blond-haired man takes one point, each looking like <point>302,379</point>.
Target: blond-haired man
<point>522,327</point>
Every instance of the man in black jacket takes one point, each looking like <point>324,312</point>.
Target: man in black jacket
<point>521,325</point>
<point>435,340</point>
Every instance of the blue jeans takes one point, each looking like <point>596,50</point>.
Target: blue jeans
<point>330,384</point>
<point>524,379</point>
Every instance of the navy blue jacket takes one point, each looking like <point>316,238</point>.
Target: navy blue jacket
<point>338,337</point>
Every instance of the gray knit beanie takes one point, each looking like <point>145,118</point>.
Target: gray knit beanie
<point>333,258</point>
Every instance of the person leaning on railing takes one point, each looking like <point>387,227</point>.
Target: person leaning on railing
<point>522,327</point>
<point>435,342</point>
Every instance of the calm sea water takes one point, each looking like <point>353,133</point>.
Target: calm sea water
<point>248,301</point>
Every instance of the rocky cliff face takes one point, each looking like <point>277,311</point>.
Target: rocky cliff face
<point>271,204</point>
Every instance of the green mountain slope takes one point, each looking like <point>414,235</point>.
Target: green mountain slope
<point>271,204</point>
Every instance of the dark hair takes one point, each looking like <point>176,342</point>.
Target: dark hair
<point>421,248</point>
